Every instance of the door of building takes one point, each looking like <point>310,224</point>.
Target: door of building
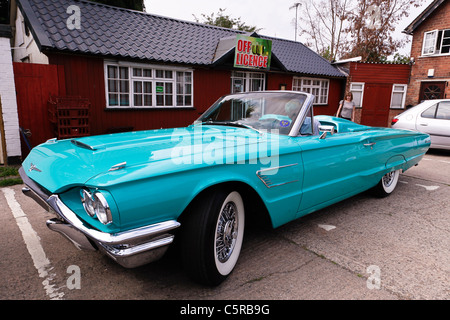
<point>376,104</point>
<point>432,90</point>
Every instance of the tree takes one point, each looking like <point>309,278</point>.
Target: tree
<point>339,29</point>
<point>137,5</point>
<point>225,21</point>
<point>372,23</point>
<point>324,25</point>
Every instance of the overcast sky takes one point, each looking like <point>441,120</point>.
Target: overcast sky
<point>274,17</point>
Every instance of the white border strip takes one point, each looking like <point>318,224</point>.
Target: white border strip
<point>33,243</point>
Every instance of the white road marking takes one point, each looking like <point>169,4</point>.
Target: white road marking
<point>326,227</point>
<point>438,160</point>
<point>33,243</point>
<point>428,188</point>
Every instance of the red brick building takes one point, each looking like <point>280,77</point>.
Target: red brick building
<point>430,53</point>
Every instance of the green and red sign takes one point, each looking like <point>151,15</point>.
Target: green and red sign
<point>252,53</point>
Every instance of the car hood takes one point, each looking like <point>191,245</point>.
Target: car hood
<point>60,164</point>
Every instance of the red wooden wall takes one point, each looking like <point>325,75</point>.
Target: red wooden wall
<point>379,73</point>
<point>378,79</point>
<point>34,85</point>
<point>84,76</point>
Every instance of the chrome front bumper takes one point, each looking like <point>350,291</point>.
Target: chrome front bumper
<point>130,248</point>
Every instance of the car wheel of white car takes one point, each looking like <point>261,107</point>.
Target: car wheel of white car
<point>212,236</point>
<point>387,184</point>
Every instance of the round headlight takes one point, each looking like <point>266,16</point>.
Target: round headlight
<point>101,208</point>
<point>88,202</point>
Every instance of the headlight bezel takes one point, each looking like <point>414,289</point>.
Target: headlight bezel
<point>88,202</point>
<point>101,208</point>
<point>96,206</point>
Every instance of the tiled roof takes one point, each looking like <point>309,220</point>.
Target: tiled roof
<point>111,31</point>
<point>423,16</point>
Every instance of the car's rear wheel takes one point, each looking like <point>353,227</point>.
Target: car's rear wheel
<point>387,184</point>
<point>212,235</point>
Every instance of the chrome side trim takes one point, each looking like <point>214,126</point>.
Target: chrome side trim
<point>267,182</point>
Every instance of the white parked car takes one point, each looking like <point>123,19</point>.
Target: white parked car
<point>430,116</point>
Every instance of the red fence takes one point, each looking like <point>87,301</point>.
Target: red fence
<point>35,83</point>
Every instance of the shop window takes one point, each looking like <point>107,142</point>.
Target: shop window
<point>398,96</point>
<point>247,81</point>
<point>436,42</point>
<point>318,87</point>
<point>147,86</point>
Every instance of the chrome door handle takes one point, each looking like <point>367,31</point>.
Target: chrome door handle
<point>424,124</point>
<point>370,144</point>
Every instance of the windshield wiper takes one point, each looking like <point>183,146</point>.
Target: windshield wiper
<point>231,124</point>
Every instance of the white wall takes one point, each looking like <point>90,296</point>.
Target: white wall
<point>9,103</point>
<point>25,48</point>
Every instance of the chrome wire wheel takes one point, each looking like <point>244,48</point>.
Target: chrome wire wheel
<point>226,232</point>
<point>229,233</point>
<point>212,235</point>
<point>389,181</point>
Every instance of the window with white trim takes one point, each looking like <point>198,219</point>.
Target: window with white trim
<point>398,96</point>
<point>318,87</point>
<point>145,86</point>
<point>247,81</point>
<point>357,89</point>
<point>436,42</point>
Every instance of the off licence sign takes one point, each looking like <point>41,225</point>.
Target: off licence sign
<point>253,53</point>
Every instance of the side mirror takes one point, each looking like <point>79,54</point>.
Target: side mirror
<point>325,130</point>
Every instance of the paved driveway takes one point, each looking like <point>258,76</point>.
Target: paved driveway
<point>361,248</point>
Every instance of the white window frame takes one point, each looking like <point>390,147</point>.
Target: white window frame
<point>352,90</point>
<point>153,79</point>
<point>404,89</point>
<point>425,40</point>
<point>435,51</point>
<point>247,78</point>
<point>442,42</point>
<point>299,84</point>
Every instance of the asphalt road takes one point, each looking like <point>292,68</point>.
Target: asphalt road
<point>364,248</point>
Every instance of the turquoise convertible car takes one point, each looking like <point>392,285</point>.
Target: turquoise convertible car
<point>251,157</point>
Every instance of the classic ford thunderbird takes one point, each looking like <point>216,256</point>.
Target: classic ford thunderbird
<point>251,157</point>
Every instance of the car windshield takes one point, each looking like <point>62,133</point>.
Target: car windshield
<point>257,110</point>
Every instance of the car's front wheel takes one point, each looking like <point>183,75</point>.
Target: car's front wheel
<point>387,184</point>
<point>212,235</point>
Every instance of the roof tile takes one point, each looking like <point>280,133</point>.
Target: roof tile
<point>119,32</point>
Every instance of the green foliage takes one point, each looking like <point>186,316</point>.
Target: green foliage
<point>9,176</point>
<point>8,171</point>
<point>225,21</point>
